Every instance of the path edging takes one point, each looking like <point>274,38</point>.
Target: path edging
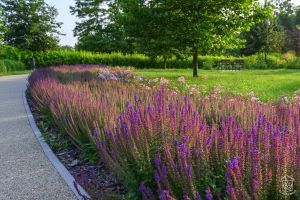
<point>61,169</point>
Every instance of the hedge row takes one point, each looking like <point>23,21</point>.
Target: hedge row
<point>7,65</point>
<point>43,59</point>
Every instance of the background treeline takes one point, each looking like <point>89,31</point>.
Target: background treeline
<point>274,28</point>
<point>58,57</point>
<point>155,33</point>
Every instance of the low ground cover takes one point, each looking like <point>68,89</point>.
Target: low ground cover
<point>170,143</point>
<point>268,85</point>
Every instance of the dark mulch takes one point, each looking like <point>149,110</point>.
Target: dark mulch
<point>95,178</point>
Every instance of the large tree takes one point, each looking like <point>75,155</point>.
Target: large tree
<point>266,36</point>
<point>30,24</point>
<point>147,24</point>
<point>97,29</point>
<point>191,26</point>
<point>165,27</point>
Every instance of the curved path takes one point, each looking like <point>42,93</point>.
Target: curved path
<point>25,172</point>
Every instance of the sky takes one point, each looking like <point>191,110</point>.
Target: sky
<point>63,7</point>
<point>69,20</point>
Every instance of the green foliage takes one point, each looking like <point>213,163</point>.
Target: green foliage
<point>2,27</point>
<point>97,29</point>
<point>140,61</point>
<point>7,65</point>
<point>14,53</point>
<point>44,59</point>
<point>30,24</point>
<point>57,141</point>
<point>3,68</point>
<point>163,28</point>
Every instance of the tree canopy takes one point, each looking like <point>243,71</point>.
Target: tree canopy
<point>30,24</point>
<point>163,27</point>
<point>97,29</point>
<point>2,27</point>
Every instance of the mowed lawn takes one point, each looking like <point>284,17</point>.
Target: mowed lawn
<point>15,73</point>
<point>267,85</point>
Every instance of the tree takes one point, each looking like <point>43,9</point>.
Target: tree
<point>30,24</point>
<point>67,47</point>
<point>109,39</point>
<point>97,29</point>
<point>266,36</point>
<point>147,24</point>
<point>2,27</point>
<point>193,26</point>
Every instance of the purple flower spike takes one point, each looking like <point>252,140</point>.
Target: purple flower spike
<point>165,195</point>
<point>164,171</point>
<point>208,195</point>
<point>157,160</point>
<point>186,197</point>
<point>184,139</point>
<point>157,177</point>
<point>197,196</point>
<point>175,143</point>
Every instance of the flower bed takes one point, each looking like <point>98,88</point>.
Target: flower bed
<point>170,145</point>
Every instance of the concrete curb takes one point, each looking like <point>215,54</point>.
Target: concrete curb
<point>62,170</point>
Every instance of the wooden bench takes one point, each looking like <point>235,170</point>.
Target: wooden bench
<point>239,64</point>
<point>231,65</point>
<point>224,65</point>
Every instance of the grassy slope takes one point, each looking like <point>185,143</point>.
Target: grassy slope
<point>268,85</point>
<point>16,73</point>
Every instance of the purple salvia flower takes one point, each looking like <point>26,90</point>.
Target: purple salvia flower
<point>175,143</point>
<point>164,171</point>
<point>186,197</point>
<point>157,160</point>
<point>184,139</point>
<point>146,192</point>
<point>157,177</point>
<point>182,147</point>
<point>209,142</point>
<point>164,195</point>
<point>197,196</point>
<point>175,166</point>
<point>208,194</point>
<point>96,134</point>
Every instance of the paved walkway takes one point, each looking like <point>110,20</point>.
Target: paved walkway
<point>25,172</point>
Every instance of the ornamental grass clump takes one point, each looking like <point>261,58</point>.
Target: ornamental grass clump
<point>170,145</point>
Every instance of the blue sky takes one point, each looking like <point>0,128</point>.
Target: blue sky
<point>69,20</point>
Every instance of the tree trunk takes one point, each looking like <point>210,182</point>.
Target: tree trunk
<point>165,62</point>
<point>195,63</point>
<point>266,55</point>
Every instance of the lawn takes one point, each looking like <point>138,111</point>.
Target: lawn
<point>268,85</point>
<point>16,73</point>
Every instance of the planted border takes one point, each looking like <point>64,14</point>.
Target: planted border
<point>169,145</point>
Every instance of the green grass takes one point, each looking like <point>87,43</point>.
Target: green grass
<point>16,72</point>
<point>268,85</point>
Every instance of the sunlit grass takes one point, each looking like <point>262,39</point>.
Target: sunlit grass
<point>16,73</point>
<point>268,85</point>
